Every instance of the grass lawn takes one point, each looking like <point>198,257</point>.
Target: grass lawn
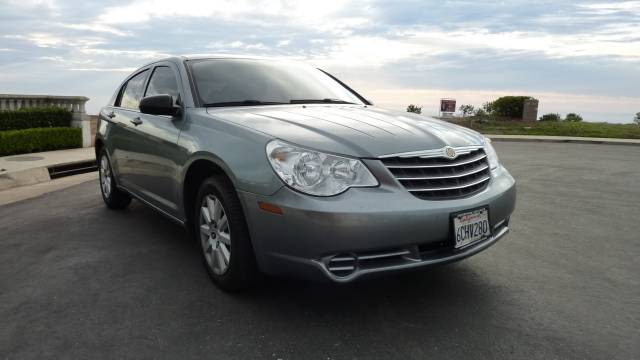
<point>584,129</point>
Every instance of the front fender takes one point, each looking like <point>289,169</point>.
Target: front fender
<point>239,151</point>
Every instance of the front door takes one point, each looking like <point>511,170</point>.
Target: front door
<point>122,136</point>
<point>153,166</point>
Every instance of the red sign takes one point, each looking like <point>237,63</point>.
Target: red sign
<point>448,105</point>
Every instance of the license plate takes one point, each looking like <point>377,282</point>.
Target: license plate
<point>471,226</point>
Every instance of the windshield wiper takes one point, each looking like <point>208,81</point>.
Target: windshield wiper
<point>242,103</point>
<point>319,101</point>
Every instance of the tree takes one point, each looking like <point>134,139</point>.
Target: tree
<point>481,115</point>
<point>466,110</point>
<point>637,118</point>
<point>550,117</point>
<point>414,109</point>
<point>509,106</point>
<point>487,107</point>
<point>573,117</point>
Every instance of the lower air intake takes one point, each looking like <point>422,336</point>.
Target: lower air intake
<point>342,264</point>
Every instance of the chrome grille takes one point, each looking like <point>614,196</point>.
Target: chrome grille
<point>436,177</point>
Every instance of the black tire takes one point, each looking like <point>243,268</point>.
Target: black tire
<point>113,197</point>
<point>241,270</point>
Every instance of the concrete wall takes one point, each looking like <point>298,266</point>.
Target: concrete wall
<point>530,110</point>
<point>93,122</point>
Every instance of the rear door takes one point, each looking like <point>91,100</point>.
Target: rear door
<point>154,163</point>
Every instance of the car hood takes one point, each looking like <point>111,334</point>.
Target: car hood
<point>362,131</point>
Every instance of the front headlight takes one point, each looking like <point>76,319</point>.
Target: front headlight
<point>492,156</point>
<point>316,173</point>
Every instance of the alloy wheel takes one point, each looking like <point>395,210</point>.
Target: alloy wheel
<point>105,176</point>
<point>215,234</point>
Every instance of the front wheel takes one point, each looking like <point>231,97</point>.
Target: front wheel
<point>221,230</point>
<point>113,197</point>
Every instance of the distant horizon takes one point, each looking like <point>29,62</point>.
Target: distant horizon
<point>578,56</point>
<point>431,108</point>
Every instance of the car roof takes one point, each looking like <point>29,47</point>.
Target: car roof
<point>181,58</point>
<point>224,56</point>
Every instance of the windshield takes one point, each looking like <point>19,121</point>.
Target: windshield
<point>237,82</point>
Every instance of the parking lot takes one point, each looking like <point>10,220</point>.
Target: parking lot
<point>80,281</point>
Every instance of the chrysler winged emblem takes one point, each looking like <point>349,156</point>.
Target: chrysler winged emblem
<point>450,152</point>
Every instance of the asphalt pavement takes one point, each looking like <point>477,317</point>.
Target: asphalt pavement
<point>80,281</point>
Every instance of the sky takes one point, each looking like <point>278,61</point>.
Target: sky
<point>574,56</point>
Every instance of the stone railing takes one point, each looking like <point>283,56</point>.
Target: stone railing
<point>75,104</point>
<point>15,102</point>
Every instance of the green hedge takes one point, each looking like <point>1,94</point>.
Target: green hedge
<point>34,118</point>
<point>551,117</point>
<point>43,139</point>
<point>555,128</point>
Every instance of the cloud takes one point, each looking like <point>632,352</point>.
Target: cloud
<point>238,45</point>
<point>302,12</point>
<point>579,49</point>
<point>603,43</point>
<point>96,27</point>
<point>38,39</point>
<point>125,70</point>
<point>136,54</point>
<point>612,7</point>
<point>372,51</point>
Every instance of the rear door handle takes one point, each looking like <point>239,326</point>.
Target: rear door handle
<point>136,121</point>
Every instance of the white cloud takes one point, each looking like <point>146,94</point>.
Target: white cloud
<point>38,39</point>
<point>45,5</point>
<point>366,41</point>
<point>52,58</point>
<point>615,41</point>
<point>238,45</point>
<point>124,69</point>
<point>50,40</point>
<point>611,7</point>
<point>100,28</point>
<point>144,10</point>
<point>605,43</point>
<point>135,54</point>
<point>372,51</point>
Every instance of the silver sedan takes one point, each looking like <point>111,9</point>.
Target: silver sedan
<point>279,167</point>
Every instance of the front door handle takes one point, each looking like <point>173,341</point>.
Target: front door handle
<point>136,121</point>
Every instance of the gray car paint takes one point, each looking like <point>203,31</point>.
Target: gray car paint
<point>151,160</point>
<point>355,130</point>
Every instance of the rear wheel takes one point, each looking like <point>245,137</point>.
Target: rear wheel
<point>113,197</point>
<point>222,233</point>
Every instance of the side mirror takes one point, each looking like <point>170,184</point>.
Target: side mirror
<point>158,105</point>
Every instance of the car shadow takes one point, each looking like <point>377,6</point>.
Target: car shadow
<point>447,296</point>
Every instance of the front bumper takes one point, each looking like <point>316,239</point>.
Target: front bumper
<point>367,230</point>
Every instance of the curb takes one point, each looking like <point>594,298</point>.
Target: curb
<point>36,175</point>
<point>32,176</point>
<point>564,139</point>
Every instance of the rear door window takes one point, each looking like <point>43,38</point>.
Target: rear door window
<point>132,93</point>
